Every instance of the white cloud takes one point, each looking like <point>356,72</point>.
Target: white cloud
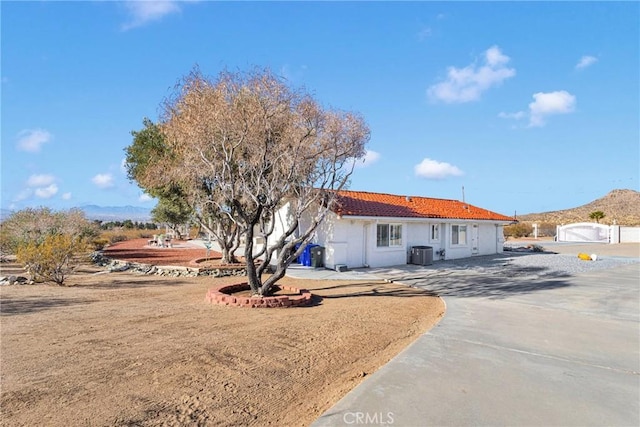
<point>144,197</point>
<point>40,180</point>
<point>123,166</point>
<point>46,192</point>
<point>66,196</point>
<point>144,12</point>
<point>424,33</point>
<point>24,195</point>
<point>369,158</point>
<point>468,83</point>
<point>515,116</point>
<point>32,139</point>
<point>433,169</point>
<point>586,61</point>
<point>103,180</point>
<point>547,104</point>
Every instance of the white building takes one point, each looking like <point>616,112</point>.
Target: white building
<point>380,230</point>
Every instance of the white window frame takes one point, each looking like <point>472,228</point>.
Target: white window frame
<point>434,233</point>
<point>456,232</point>
<point>394,240</point>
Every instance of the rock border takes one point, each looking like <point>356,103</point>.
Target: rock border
<point>221,295</point>
<point>116,265</point>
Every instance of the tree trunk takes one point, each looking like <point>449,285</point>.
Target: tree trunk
<point>226,256</point>
<point>255,282</point>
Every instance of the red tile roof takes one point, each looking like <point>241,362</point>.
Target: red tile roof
<point>360,203</point>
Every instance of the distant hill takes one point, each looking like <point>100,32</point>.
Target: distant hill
<point>117,213</point>
<point>623,206</point>
<point>105,213</point>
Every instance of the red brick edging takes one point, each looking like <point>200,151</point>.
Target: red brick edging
<point>222,295</point>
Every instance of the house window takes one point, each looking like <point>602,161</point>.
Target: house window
<point>435,232</point>
<point>458,234</point>
<point>388,235</point>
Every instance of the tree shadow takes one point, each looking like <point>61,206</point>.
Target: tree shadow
<point>490,276</point>
<point>124,283</point>
<point>26,305</point>
<point>372,289</point>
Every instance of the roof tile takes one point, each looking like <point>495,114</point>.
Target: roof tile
<point>360,203</point>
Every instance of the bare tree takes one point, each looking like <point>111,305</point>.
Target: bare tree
<point>260,146</point>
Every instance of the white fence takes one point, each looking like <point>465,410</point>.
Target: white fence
<point>628,234</point>
<point>593,232</point>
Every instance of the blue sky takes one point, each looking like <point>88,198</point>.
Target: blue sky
<point>529,106</point>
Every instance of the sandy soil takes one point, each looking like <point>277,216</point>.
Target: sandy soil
<point>124,349</point>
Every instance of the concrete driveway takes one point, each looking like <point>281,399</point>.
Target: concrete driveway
<point>552,351</point>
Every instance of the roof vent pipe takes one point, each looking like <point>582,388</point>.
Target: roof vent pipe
<point>408,198</point>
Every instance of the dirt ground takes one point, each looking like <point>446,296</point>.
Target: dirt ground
<point>134,350</point>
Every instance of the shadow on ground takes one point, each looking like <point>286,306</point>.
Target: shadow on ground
<point>491,276</point>
<point>15,306</point>
<point>372,289</point>
<point>144,282</point>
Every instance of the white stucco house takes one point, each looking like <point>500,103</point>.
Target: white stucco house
<point>367,229</point>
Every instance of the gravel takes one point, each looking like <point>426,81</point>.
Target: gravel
<point>555,264</point>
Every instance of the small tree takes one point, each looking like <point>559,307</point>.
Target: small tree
<point>173,212</point>
<point>597,215</point>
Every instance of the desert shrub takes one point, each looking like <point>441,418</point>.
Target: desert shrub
<point>518,230</point>
<point>115,238</point>
<point>120,234</point>
<point>546,229</point>
<point>49,259</point>
<point>99,243</point>
<point>35,224</point>
<point>45,241</point>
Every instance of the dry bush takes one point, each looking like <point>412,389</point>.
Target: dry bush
<point>121,234</point>
<point>49,260</point>
<point>547,229</point>
<point>518,230</point>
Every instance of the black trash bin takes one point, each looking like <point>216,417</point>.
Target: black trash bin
<point>422,255</point>
<point>317,256</point>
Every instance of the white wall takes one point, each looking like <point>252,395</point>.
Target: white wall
<point>352,242</point>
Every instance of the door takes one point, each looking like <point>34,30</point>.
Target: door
<point>474,240</point>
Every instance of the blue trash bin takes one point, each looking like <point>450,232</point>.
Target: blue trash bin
<point>306,255</point>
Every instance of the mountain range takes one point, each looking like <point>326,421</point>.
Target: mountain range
<point>117,213</point>
<point>105,213</point>
<point>621,206</point>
